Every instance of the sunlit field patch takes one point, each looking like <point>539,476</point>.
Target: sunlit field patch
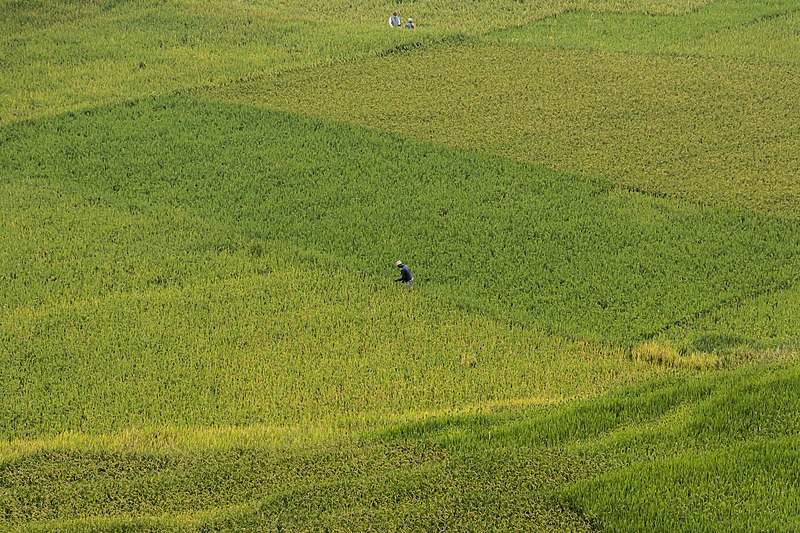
<point>304,350</point>
<point>112,52</point>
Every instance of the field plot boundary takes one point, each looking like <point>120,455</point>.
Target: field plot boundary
<point>776,289</point>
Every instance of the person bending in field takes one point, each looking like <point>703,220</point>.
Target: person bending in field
<point>405,274</point>
<point>394,20</point>
<point>410,24</point>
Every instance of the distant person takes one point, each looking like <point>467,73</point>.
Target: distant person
<point>394,20</point>
<point>405,275</point>
<point>410,24</point>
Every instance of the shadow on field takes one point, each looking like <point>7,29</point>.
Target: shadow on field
<point>723,344</point>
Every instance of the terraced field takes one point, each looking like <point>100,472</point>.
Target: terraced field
<point>202,203</point>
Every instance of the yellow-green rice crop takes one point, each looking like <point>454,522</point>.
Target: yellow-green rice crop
<point>65,55</point>
<point>708,130</point>
<point>672,443</point>
<point>276,344</point>
<point>198,327</point>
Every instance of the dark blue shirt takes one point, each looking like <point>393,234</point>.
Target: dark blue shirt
<point>405,274</point>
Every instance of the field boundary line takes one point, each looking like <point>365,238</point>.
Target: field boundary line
<point>774,289</point>
<point>783,11</point>
<point>402,48</point>
<point>764,18</point>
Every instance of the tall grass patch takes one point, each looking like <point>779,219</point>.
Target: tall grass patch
<point>748,487</point>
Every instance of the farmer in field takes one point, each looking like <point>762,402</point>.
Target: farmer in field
<point>394,20</point>
<point>410,24</point>
<point>405,274</point>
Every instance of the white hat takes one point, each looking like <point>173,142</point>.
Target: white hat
<point>399,263</point>
<point>410,20</point>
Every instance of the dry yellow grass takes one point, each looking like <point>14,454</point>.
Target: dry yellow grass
<point>663,354</point>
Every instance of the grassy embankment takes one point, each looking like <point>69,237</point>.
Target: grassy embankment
<point>199,324</point>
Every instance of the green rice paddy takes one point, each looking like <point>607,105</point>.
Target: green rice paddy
<point>202,204</point>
